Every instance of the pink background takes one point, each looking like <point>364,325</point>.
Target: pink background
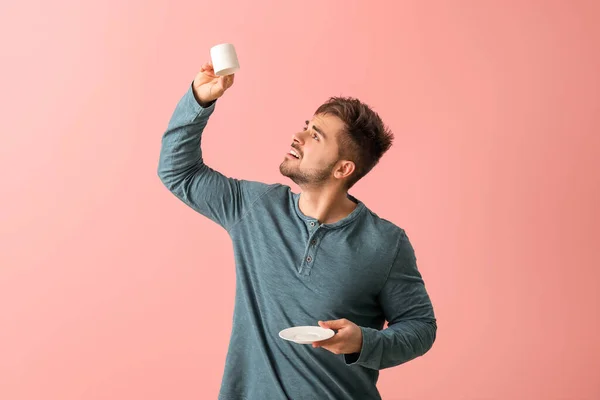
<point>110,288</point>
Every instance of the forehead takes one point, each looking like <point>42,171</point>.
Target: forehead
<point>328,123</point>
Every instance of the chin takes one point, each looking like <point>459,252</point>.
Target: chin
<point>287,173</point>
<point>286,167</point>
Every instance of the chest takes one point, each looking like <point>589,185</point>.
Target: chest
<point>333,270</point>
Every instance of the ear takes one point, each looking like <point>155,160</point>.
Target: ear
<point>344,169</point>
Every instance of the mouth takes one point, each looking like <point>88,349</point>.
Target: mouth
<point>293,154</point>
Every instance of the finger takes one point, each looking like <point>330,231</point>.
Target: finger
<point>209,73</point>
<point>227,81</point>
<point>220,84</point>
<point>334,324</point>
<point>332,341</point>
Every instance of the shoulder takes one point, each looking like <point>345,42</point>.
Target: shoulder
<point>394,236</point>
<point>384,227</point>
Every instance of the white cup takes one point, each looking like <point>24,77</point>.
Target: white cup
<point>224,59</point>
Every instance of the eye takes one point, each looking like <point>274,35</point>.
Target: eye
<point>314,135</point>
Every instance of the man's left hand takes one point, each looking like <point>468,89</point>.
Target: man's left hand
<point>347,340</point>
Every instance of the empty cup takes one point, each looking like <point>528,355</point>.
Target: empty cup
<point>224,59</point>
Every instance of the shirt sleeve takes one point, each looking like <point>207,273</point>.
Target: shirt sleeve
<point>407,307</point>
<point>182,170</point>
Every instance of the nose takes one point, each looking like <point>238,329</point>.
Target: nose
<point>297,137</point>
<point>301,136</point>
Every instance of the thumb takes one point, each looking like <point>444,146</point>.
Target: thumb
<point>217,87</point>
<point>225,82</point>
<point>333,324</point>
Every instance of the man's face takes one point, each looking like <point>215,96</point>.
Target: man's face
<point>317,149</point>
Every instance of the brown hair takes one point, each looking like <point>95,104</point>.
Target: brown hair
<point>365,138</point>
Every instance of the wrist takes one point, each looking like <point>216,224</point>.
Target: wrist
<point>201,103</point>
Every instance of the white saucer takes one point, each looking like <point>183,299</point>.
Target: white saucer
<point>306,334</point>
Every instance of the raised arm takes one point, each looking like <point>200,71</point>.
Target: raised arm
<point>181,167</point>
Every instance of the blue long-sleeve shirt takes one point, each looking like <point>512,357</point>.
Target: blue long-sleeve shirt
<point>292,270</point>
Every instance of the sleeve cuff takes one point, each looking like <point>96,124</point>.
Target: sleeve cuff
<point>193,103</point>
<point>360,358</point>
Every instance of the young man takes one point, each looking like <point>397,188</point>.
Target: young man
<point>318,257</point>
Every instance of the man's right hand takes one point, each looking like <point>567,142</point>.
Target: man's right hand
<point>208,86</point>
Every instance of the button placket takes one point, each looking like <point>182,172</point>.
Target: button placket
<point>310,253</point>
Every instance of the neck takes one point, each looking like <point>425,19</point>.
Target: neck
<point>326,205</point>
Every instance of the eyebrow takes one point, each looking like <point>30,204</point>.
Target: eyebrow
<point>316,128</point>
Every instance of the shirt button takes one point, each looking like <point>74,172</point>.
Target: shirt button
<point>313,242</point>
<point>312,223</point>
<point>309,258</point>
